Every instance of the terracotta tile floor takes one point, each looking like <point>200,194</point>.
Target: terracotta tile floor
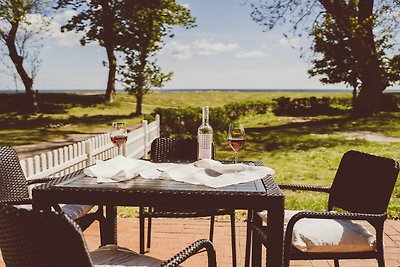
<point>172,235</point>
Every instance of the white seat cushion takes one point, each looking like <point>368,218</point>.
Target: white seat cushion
<point>113,255</point>
<point>328,235</point>
<point>76,211</point>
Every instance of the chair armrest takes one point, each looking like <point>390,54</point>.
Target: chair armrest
<point>192,250</point>
<point>16,201</point>
<point>39,180</point>
<point>25,201</point>
<point>295,187</point>
<point>336,215</point>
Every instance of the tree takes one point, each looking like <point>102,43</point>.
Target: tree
<point>337,63</point>
<point>22,24</point>
<point>101,22</point>
<point>369,26</point>
<point>145,25</point>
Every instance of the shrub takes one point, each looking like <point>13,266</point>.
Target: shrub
<point>236,109</point>
<point>309,106</point>
<point>183,122</point>
<point>389,102</point>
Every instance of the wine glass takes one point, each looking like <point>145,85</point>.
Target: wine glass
<point>236,137</point>
<point>118,134</point>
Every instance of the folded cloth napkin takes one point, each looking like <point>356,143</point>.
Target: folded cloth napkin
<point>120,169</point>
<point>213,173</point>
<point>216,168</point>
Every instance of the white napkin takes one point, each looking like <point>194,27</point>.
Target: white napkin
<point>213,173</point>
<point>120,169</point>
<point>218,168</point>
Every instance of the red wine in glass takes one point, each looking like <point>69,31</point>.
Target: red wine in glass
<point>236,137</point>
<point>236,143</point>
<point>119,140</point>
<point>118,135</point>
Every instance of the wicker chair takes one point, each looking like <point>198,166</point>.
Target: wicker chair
<point>14,190</point>
<point>361,190</point>
<point>174,149</point>
<point>30,238</point>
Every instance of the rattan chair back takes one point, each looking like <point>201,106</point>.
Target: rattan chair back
<point>40,239</point>
<point>13,184</point>
<point>174,149</point>
<point>363,183</point>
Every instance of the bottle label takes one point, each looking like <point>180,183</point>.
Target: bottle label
<point>205,146</point>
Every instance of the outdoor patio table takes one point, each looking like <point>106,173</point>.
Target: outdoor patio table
<point>263,194</point>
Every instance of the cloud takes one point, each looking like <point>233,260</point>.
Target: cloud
<point>251,54</point>
<point>201,47</point>
<point>290,42</point>
<point>186,5</point>
<point>395,14</point>
<point>64,39</point>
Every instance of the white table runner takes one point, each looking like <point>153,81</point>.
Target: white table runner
<point>204,172</point>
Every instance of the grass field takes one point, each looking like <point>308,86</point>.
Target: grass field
<point>303,150</point>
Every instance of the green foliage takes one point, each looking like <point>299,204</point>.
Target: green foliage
<point>145,25</point>
<point>313,106</point>
<point>236,109</point>
<point>355,41</point>
<point>337,63</point>
<point>309,106</point>
<point>184,122</point>
<point>20,40</point>
<point>99,19</point>
<point>389,102</point>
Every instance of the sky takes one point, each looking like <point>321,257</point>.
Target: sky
<point>227,50</point>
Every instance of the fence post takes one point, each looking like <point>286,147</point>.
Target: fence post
<point>124,149</point>
<point>89,151</point>
<point>158,123</point>
<point>145,138</point>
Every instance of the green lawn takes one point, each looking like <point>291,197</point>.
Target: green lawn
<point>301,149</point>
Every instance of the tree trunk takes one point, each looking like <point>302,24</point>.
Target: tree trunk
<point>112,68</point>
<point>109,43</point>
<point>368,100</point>
<point>139,102</point>
<point>373,82</point>
<point>363,46</point>
<point>18,63</point>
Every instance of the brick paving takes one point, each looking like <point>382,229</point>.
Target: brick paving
<point>172,235</point>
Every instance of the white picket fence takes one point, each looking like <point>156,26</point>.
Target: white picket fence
<point>79,155</point>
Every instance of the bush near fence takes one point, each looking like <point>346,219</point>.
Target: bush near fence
<point>313,106</point>
<point>184,122</point>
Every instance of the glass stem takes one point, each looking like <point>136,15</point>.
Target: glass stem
<point>236,157</point>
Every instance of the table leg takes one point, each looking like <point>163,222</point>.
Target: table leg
<point>275,235</point>
<point>256,243</point>
<point>141,230</point>
<point>109,227</point>
<point>248,238</point>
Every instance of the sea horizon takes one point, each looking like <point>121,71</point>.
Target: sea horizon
<point>343,90</point>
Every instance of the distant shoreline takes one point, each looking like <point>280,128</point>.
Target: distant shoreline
<point>394,90</point>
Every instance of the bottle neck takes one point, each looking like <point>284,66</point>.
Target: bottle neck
<point>205,119</point>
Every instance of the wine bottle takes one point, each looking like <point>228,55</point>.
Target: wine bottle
<point>205,137</point>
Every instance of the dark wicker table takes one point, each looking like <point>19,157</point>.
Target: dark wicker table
<point>253,196</point>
